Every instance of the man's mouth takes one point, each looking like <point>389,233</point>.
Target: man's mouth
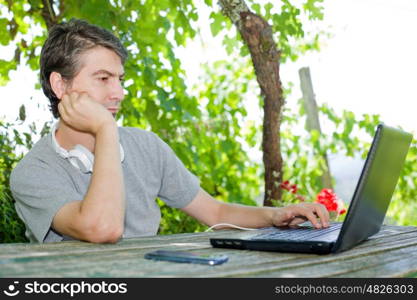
<point>113,109</point>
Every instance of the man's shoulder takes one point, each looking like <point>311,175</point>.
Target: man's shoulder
<point>142,143</point>
<point>37,157</point>
<point>135,131</point>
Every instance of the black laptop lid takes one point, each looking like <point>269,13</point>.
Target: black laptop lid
<point>375,187</point>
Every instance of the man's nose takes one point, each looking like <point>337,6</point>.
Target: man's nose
<point>117,92</point>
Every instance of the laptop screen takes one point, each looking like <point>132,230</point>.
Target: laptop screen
<point>375,187</point>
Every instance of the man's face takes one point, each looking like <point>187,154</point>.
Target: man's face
<point>100,76</point>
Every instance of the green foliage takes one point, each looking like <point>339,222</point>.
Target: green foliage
<point>403,208</point>
<point>14,143</point>
<point>217,155</point>
<point>11,227</point>
<point>175,221</point>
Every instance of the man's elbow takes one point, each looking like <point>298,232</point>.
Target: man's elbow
<point>108,237</point>
<point>102,234</point>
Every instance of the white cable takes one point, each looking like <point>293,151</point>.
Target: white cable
<point>230,225</point>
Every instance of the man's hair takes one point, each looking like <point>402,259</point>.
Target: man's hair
<point>62,49</point>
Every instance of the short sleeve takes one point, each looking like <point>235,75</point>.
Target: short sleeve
<point>39,192</point>
<point>178,185</point>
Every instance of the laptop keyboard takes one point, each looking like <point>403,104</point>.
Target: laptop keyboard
<point>304,234</point>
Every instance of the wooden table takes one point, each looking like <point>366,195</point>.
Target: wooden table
<point>390,253</point>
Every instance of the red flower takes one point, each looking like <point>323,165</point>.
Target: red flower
<point>292,188</point>
<point>285,185</point>
<point>329,199</point>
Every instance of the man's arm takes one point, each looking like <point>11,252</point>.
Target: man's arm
<point>99,217</point>
<point>210,212</point>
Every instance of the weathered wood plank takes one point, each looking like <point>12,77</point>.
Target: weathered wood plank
<point>403,267</point>
<point>378,264</point>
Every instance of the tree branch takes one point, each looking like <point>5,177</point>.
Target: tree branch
<point>48,14</point>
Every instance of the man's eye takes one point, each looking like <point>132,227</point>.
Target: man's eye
<point>104,78</point>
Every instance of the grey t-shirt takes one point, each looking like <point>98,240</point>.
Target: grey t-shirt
<point>42,182</point>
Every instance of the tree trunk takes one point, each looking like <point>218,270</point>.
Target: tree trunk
<point>257,35</point>
<point>312,121</point>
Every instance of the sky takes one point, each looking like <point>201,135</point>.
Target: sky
<point>367,66</point>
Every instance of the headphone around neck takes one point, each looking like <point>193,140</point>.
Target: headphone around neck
<point>80,157</point>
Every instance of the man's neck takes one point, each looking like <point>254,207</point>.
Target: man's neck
<point>68,137</point>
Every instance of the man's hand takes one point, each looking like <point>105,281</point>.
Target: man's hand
<point>82,113</point>
<point>293,215</point>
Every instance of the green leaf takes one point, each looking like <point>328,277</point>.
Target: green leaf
<point>5,37</point>
<point>313,9</point>
<point>218,23</point>
<point>257,8</point>
<point>5,68</point>
<point>22,113</point>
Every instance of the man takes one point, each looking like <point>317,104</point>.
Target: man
<point>90,180</point>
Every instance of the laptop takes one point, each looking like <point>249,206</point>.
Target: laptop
<point>366,211</point>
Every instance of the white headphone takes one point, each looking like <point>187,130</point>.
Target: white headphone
<point>80,157</point>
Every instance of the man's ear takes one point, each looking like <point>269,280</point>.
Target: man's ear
<point>58,84</point>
